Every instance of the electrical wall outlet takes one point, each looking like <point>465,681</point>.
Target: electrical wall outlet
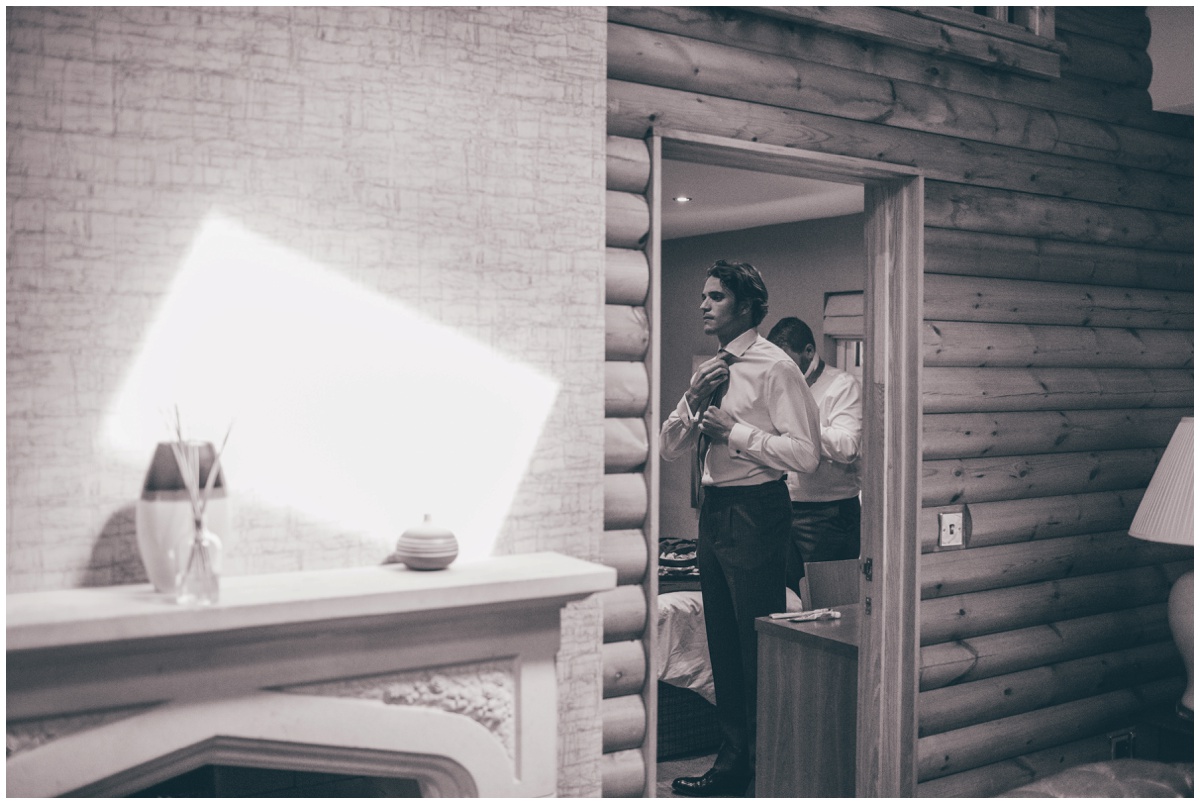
<point>950,529</point>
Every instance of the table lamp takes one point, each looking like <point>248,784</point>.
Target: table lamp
<point>1165,515</point>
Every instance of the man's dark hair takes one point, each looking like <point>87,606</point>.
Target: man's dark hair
<point>744,282</point>
<point>792,333</point>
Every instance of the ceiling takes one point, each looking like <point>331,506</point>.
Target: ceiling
<point>725,199</point>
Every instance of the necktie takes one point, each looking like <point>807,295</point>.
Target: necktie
<point>703,442</point>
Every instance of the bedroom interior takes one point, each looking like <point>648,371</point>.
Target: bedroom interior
<point>386,182</point>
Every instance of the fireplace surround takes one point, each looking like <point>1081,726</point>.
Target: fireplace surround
<point>447,678</point>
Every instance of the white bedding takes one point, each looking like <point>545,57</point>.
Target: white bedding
<point>681,651</point>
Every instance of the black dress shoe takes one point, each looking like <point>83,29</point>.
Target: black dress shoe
<point>713,784</point>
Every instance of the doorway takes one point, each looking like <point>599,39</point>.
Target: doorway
<point>892,234</point>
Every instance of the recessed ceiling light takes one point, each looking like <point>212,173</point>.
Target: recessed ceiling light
<point>682,199</point>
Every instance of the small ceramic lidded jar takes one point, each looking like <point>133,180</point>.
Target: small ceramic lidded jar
<point>426,546</point>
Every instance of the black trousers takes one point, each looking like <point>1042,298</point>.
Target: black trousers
<point>740,552</point>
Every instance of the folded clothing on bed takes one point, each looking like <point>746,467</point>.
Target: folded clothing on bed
<point>677,567</point>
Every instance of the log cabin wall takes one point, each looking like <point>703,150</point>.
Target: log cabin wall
<point>1058,338</point>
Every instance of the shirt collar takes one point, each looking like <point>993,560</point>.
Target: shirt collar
<point>738,346</point>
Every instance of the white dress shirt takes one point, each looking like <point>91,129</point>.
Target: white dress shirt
<point>776,425</point>
<point>838,395</point>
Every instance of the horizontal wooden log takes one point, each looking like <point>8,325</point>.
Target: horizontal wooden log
<point>1013,301</point>
<point>626,388</point>
<point>627,553</point>
<point>1004,652</point>
<point>986,209</point>
<point>624,613</point>
<point>977,435</point>
<point>635,107</point>
<point>975,480</point>
<point>991,780</point>
<point>1008,257</point>
<point>626,276</point>
<point>627,165</point>
<point>626,332</point>
<point>1110,62</point>
<point>931,36</point>
<point>623,723</point>
<point>1125,25</point>
<point>623,774</point>
<point>976,390</point>
<point>625,501</point>
<point>962,705</point>
<point>961,616</point>
<point>749,31</point>
<point>1022,520</point>
<point>975,746</point>
<point>970,343</point>
<point>665,60</point>
<point>624,668</point>
<point>627,219</point>
<point>626,445</point>
<point>996,23</point>
<point>957,572</point>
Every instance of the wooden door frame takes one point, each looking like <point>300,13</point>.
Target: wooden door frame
<point>893,308</point>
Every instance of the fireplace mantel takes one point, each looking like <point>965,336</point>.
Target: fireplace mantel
<point>446,676</point>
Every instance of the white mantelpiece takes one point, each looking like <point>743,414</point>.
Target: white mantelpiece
<point>447,677</point>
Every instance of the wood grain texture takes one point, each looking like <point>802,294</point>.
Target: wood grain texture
<point>977,435</point>
<point>626,552</point>
<point>626,332</point>
<point>624,722</point>
<point>967,704</point>
<point>624,611</point>
<point>983,744</point>
<point>967,390</point>
<point>975,480</point>
<point>635,107</point>
<point>626,165</point>
<point>989,655</point>
<point>1000,777</point>
<point>960,616</point>
<point>961,343</point>
<point>1106,61</point>
<point>623,774</point>
<point>677,63</point>
<point>624,667</point>
<point>962,41</point>
<point>964,298</point>
<point>626,276</point>
<point>985,209</point>
<point>625,499</point>
<point>626,388</point>
<point>627,220</point>
<point>1001,256</point>
<point>807,700</point>
<point>750,31</point>
<point>1020,520</point>
<point>975,569</point>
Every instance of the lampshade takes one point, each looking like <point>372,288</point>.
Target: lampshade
<point>1165,514</point>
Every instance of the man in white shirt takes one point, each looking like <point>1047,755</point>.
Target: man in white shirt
<point>747,418</point>
<point>826,512</point>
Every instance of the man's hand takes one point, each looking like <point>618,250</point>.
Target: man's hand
<point>716,424</point>
<point>708,378</point>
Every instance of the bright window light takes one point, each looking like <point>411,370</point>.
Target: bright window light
<point>347,406</point>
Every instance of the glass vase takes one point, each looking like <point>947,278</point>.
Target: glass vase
<point>199,580</point>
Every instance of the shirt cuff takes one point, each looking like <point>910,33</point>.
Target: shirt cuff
<point>739,439</point>
<point>684,411</point>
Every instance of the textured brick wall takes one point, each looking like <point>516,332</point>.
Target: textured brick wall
<point>452,158</point>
